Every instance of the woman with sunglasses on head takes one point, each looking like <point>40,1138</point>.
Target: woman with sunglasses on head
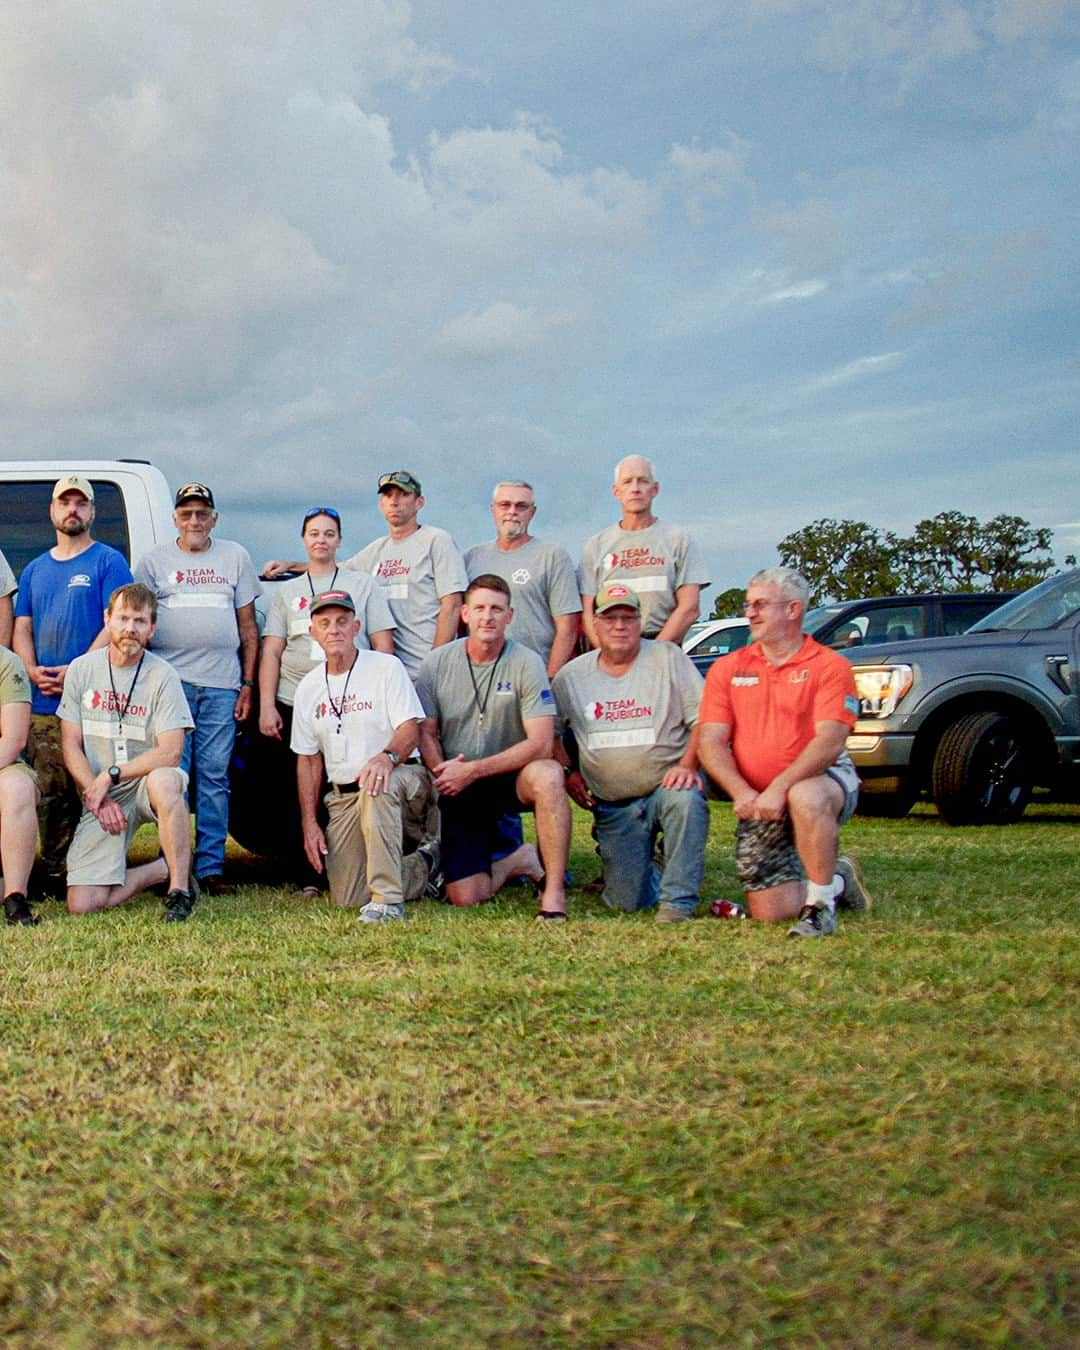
<point>289,652</point>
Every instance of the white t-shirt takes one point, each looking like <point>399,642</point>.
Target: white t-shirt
<point>348,718</point>
<point>290,618</point>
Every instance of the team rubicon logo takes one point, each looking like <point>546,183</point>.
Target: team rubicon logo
<point>178,578</point>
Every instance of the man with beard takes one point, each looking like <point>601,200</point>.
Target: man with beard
<point>62,596</point>
<point>124,719</point>
<point>543,587</point>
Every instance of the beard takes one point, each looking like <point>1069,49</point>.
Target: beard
<point>74,527</point>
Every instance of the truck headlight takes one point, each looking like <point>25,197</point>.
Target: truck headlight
<point>880,688</point>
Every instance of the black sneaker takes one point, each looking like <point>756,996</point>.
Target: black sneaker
<point>179,904</point>
<point>17,910</point>
<point>215,885</point>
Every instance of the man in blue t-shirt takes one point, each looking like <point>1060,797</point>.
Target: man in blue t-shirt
<point>59,614</point>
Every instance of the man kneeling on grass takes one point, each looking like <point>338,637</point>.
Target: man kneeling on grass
<point>488,736</point>
<point>357,719</point>
<point>774,720</point>
<point>123,720</point>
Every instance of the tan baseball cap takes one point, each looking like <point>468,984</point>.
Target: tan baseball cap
<point>73,482</point>
<point>614,596</point>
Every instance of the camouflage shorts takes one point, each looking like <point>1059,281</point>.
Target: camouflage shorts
<point>765,854</point>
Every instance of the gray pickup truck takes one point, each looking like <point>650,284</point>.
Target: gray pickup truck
<point>977,720</point>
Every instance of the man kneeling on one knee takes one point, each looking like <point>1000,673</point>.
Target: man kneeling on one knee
<point>487,736</point>
<point>632,706</point>
<point>774,720</point>
<point>123,720</point>
<point>356,719</point>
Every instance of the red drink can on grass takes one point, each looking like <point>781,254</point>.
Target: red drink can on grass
<point>727,909</point>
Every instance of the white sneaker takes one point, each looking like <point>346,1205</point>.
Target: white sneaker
<point>814,921</point>
<point>375,912</point>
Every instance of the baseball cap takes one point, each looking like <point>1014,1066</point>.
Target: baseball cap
<point>615,595</point>
<point>332,599</point>
<point>73,482</point>
<point>400,478</point>
<point>194,492</point>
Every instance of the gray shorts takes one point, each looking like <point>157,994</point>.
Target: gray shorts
<point>765,854</point>
<point>97,858</point>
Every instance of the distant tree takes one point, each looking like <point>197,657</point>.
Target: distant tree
<point>847,559</point>
<point>729,604</point>
<point>842,559</point>
<point>955,552</point>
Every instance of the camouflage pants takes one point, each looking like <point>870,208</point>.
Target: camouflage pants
<point>59,808</point>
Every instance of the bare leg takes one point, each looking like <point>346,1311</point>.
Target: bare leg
<point>481,886</point>
<point>165,790</point>
<point>89,899</point>
<point>18,836</point>
<point>541,785</point>
<point>815,805</point>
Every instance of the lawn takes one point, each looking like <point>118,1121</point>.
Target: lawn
<point>274,1125</point>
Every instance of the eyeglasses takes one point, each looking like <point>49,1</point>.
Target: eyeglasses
<point>751,605</point>
<point>321,511</point>
<point>508,505</point>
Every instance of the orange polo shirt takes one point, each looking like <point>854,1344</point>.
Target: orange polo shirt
<point>773,710</point>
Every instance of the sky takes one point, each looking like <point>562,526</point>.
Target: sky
<point>816,258</point>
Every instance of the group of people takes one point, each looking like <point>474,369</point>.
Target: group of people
<point>416,750</point>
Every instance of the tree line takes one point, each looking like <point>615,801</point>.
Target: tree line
<point>849,559</point>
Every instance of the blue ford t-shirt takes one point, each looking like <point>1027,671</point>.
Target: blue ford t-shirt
<point>66,603</point>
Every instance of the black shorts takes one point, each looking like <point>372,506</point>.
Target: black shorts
<point>470,825</point>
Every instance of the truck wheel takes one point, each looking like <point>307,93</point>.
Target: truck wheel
<point>982,771</point>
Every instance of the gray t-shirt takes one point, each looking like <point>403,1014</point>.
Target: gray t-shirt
<point>482,718</point>
<point>198,595</point>
<point>543,586</point>
<point>415,573</point>
<point>137,708</point>
<point>8,584</point>
<point>632,729</point>
<point>653,562</point>
<point>290,618</point>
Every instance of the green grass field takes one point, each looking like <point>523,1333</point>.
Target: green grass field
<point>274,1125</point>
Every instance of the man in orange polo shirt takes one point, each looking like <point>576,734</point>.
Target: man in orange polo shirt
<point>774,719</point>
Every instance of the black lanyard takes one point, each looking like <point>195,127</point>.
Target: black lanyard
<point>481,704</point>
<point>121,709</point>
<point>336,709</point>
<point>311,588</point>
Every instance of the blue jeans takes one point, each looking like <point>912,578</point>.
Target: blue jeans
<point>626,833</point>
<point>207,751</point>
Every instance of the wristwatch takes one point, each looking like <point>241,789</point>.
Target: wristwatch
<point>114,774</point>
<point>395,760</point>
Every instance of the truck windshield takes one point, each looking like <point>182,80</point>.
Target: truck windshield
<point>1044,606</point>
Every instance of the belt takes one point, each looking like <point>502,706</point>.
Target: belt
<point>344,789</point>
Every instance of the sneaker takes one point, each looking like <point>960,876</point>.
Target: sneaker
<point>672,914</point>
<point>854,895</point>
<point>727,909</point>
<point>179,904</point>
<point>814,921</point>
<point>17,910</point>
<point>215,885</point>
<point>376,912</point>
<point>436,884</point>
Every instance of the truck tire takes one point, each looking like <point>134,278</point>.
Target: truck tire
<point>982,771</point>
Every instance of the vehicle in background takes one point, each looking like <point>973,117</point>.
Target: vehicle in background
<point>133,512</point>
<point>975,720</point>
<point>845,624</point>
<point>709,639</point>
<point>132,505</point>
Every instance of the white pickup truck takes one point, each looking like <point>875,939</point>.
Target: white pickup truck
<point>133,512</point>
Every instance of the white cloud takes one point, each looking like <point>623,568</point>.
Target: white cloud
<point>856,370</point>
<point>501,328</point>
<point>800,290</point>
